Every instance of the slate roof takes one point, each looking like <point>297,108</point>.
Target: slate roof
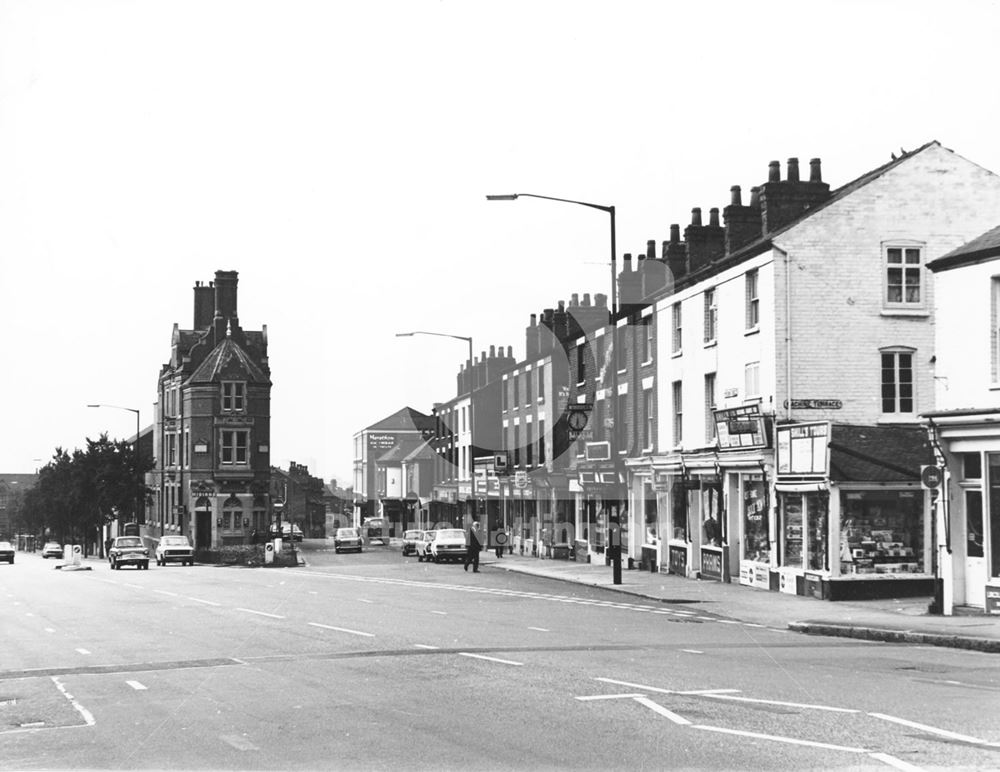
<point>878,453</point>
<point>406,418</point>
<point>401,450</point>
<point>981,248</point>
<point>225,360</point>
<point>423,452</point>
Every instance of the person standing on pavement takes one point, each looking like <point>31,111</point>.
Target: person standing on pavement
<point>501,540</point>
<point>474,547</point>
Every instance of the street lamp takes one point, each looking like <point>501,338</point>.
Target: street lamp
<point>609,209</point>
<point>615,550</point>
<point>138,474</point>
<point>472,406</point>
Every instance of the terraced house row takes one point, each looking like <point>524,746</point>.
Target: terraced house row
<point>758,405</point>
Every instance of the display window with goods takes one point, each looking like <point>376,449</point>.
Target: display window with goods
<point>881,532</point>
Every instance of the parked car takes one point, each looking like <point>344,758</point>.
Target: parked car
<point>52,550</point>
<point>448,544</point>
<point>288,531</point>
<point>7,552</point>
<point>128,551</point>
<point>422,546</point>
<point>173,548</point>
<point>410,542</point>
<point>347,539</point>
<point>377,529</point>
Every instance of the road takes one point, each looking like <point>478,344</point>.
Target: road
<point>376,661</point>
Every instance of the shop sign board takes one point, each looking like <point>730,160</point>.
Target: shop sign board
<point>712,563</point>
<point>931,477</point>
<point>803,449</point>
<point>661,482</point>
<point>755,574</point>
<point>677,559</point>
<point>740,428</point>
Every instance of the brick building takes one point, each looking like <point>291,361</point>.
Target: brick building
<point>212,427</point>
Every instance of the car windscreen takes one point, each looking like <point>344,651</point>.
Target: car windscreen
<point>411,535</point>
<point>346,533</point>
<point>5,545</point>
<point>174,541</point>
<point>129,542</point>
<point>451,533</point>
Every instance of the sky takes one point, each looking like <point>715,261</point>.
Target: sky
<point>338,156</point>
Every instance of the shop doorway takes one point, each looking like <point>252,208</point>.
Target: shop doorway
<point>203,530</point>
<point>975,559</point>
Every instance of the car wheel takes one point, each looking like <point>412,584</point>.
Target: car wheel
<point>114,564</point>
<point>437,559</point>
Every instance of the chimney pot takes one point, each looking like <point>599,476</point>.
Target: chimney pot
<point>493,351</point>
<point>586,298</point>
<point>814,170</point>
<point>696,216</point>
<point>651,249</point>
<point>562,305</point>
<point>713,217</point>
<point>510,352</point>
<point>675,233</point>
<point>792,172</point>
<point>755,197</point>
<point>774,171</point>
<point>736,196</point>
<point>627,263</point>
<point>600,300</point>
<point>574,299</point>
<point>533,320</point>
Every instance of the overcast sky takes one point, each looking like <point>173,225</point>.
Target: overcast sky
<point>338,154</point>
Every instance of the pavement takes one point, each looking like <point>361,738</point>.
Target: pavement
<point>902,620</point>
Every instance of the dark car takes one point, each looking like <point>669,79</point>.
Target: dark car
<point>347,539</point>
<point>378,530</point>
<point>6,552</point>
<point>128,551</point>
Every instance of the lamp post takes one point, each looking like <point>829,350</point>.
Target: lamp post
<point>472,406</point>
<point>138,475</point>
<point>613,533</point>
<point>609,209</point>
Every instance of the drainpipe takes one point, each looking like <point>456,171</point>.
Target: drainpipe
<point>788,329</point>
<point>941,604</point>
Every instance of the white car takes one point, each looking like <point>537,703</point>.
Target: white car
<point>448,544</point>
<point>52,550</point>
<point>422,545</point>
<point>174,548</point>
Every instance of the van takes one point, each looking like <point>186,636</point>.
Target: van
<point>377,529</point>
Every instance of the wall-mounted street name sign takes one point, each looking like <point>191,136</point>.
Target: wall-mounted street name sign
<point>815,404</point>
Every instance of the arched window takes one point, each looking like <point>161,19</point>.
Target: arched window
<point>232,514</point>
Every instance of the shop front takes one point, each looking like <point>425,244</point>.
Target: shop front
<point>600,500</point>
<point>853,521</point>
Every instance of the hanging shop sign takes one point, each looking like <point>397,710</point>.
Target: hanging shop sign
<point>741,428</point>
<point>803,449</point>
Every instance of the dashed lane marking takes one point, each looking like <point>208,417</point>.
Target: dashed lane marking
<point>239,742</point>
<point>491,659</point>
<point>206,602</point>
<point>540,629</point>
<point>343,630</point>
<point>82,651</point>
<point>137,686</point>
<point>590,697</point>
<point>692,651</point>
<point>260,613</point>
<point>425,646</point>
<point>441,613</point>
<point>167,592</point>
<point>134,586</point>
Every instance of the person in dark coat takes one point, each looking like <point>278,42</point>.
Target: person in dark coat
<point>474,548</point>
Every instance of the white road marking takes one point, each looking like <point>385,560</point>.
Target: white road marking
<point>491,659</point>
<point>698,692</point>
<point>208,602</point>
<point>260,613</point>
<point>540,629</point>
<point>83,651</point>
<point>50,629</point>
<point>752,624</point>
<point>636,686</point>
<point>32,724</point>
<point>343,630</point>
<point>87,716</point>
<point>136,685</point>
<point>424,646</point>
<point>239,661</point>
<point>692,651</point>
<point>727,621</point>
<point>662,711</point>
<point>442,613</point>
<point>29,614</point>
<point>313,592</point>
<point>706,619</point>
<point>892,761</point>
<point>783,704</point>
<point>365,600</point>
<point>106,581</point>
<point>239,742</point>
<point>134,586</point>
<point>779,739</point>
<point>167,592</point>
<point>931,729</point>
<point>609,697</point>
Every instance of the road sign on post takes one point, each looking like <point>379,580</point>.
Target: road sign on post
<point>931,477</point>
<point>521,479</point>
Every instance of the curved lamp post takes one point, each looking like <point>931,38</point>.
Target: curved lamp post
<point>138,489</point>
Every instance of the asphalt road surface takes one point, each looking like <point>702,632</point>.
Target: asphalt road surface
<point>375,661</point>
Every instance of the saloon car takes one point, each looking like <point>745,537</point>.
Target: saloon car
<point>347,539</point>
<point>128,551</point>
<point>448,544</point>
<point>52,549</point>
<point>410,539</point>
<point>174,548</point>
<point>7,552</point>
<point>422,546</point>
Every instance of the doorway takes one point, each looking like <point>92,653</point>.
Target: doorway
<point>975,556</point>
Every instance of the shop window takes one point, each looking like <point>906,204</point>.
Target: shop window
<point>756,543</point>
<point>711,507</point>
<point>649,514</point>
<point>882,532</point>
<point>678,510</point>
<point>993,469</point>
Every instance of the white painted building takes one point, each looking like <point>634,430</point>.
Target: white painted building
<point>966,422</point>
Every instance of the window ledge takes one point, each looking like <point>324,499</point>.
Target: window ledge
<point>623,371</point>
<point>915,313</point>
<point>711,343</point>
<point>676,354</point>
<point>752,331</point>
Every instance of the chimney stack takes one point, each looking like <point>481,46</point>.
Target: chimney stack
<point>705,243</point>
<point>784,202</point>
<point>204,305</point>
<point>675,252</point>
<point>743,223</point>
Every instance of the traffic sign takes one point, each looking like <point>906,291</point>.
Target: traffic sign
<point>931,477</point>
<point>521,478</point>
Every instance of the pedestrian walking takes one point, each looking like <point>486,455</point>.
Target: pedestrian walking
<point>501,541</point>
<point>474,547</point>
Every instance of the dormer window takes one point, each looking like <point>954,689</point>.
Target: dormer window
<point>234,396</point>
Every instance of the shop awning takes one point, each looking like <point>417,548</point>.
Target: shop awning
<point>800,487</point>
